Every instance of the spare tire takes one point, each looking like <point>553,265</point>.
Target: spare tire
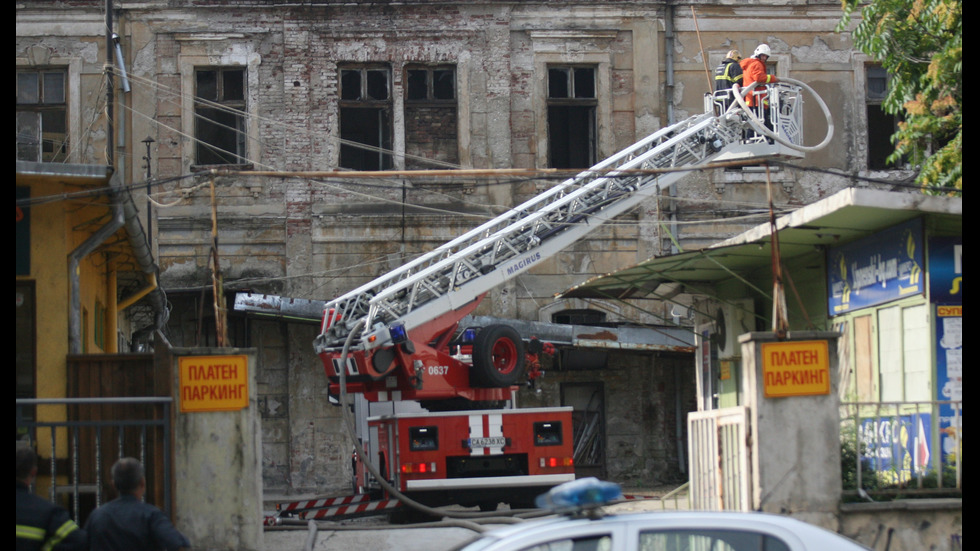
<point>498,357</point>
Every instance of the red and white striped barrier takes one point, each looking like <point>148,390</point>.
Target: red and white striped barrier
<point>287,509</point>
<point>370,507</point>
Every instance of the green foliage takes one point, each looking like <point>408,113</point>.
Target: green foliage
<point>920,44</point>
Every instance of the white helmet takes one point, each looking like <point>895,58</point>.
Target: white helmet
<point>762,49</point>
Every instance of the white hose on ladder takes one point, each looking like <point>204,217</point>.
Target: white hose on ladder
<point>760,127</point>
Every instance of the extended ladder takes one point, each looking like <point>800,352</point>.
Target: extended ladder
<point>465,268</point>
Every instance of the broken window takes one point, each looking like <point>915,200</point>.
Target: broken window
<point>219,113</point>
<point>431,130</point>
<point>571,117</point>
<point>365,117</point>
<point>42,116</point>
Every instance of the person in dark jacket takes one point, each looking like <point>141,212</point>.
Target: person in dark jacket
<point>728,74</point>
<point>40,523</point>
<point>127,523</point>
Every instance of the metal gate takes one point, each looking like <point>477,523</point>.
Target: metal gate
<point>77,452</point>
<point>718,446</point>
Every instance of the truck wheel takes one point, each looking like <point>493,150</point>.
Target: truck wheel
<point>498,357</point>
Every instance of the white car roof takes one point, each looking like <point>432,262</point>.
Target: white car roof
<point>798,535</point>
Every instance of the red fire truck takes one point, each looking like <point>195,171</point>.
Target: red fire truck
<point>473,458</point>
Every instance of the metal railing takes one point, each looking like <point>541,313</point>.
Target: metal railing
<point>902,448</point>
<point>85,440</point>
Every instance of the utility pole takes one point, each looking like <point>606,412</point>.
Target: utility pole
<point>220,327</point>
<point>149,212</point>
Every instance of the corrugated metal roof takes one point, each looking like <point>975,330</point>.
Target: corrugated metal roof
<point>843,217</point>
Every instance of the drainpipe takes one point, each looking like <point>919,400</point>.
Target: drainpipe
<point>124,214</point>
<point>140,244</point>
<point>74,260</point>
<point>672,191</point>
<point>669,92</point>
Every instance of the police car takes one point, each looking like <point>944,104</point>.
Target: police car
<point>580,526</point>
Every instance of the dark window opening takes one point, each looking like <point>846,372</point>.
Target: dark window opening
<point>371,128</point>
<point>547,433</point>
<point>365,118</point>
<point>423,438</point>
<point>571,117</point>
<point>42,116</point>
<point>219,112</point>
<point>430,84</point>
<point>881,125</point>
<point>431,125</point>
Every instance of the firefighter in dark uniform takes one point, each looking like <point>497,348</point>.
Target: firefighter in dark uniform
<point>40,523</point>
<point>728,74</point>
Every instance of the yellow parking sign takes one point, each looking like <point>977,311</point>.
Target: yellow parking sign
<point>795,368</point>
<point>213,383</point>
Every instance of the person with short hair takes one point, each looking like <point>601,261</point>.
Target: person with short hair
<point>40,523</point>
<point>127,522</point>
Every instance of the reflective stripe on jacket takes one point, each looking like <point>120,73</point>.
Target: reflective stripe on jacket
<point>727,74</point>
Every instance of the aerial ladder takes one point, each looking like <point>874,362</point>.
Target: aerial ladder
<point>398,336</point>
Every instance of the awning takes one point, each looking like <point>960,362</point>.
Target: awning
<point>843,217</point>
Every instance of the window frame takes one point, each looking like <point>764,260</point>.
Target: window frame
<point>430,83</point>
<point>575,108</point>
<point>875,101</point>
<point>382,108</point>
<point>236,108</point>
<point>39,109</point>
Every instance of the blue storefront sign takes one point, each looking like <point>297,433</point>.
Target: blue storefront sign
<point>897,448</point>
<point>884,267</point>
<point>946,270</point>
<point>946,294</point>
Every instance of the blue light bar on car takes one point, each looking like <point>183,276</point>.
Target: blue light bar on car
<point>581,493</point>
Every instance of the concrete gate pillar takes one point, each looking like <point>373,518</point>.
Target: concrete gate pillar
<point>791,389</point>
<point>217,449</point>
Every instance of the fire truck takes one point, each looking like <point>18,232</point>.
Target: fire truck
<point>399,337</point>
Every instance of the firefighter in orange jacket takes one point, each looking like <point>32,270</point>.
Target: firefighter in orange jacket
<point>754,70</point>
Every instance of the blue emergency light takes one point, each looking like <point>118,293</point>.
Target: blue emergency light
<point>397,332</point>
<point>580,494</point>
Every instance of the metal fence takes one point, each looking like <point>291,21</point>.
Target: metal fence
<point>901,448</point>
<point>96,432</point>
<point>719,456</point>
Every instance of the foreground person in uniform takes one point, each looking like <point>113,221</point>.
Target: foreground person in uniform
<point>40,523</point>
<point>127,523</point>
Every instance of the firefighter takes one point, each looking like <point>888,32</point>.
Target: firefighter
<point>40,523</point>
<point>754,72</point>
<point>728,74</point>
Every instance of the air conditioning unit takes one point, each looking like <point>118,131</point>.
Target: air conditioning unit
<point>732,319</point>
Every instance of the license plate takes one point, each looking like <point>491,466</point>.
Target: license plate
<point>488,442</point>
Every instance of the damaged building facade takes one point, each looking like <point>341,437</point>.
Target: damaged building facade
<point>232,120</point>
